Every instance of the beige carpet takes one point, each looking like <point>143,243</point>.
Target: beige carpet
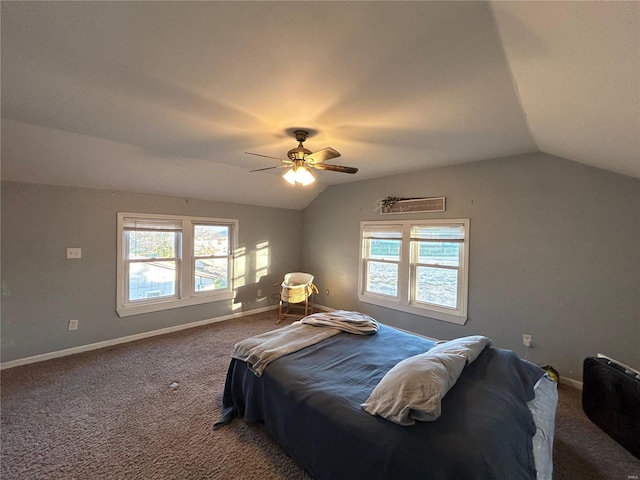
<point>112,414</point>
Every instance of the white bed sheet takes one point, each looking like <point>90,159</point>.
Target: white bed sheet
<point>543,409</point>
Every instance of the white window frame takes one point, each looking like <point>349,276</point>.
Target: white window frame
<point>185,294</point>
<point>404,301</point>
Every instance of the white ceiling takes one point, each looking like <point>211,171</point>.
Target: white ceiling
<point>164,97</point>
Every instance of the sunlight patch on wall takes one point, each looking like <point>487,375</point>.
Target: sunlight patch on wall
<point>240,267</point>
<point>262,260</point>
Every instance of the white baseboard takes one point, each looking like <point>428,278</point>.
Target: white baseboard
<point>571,382</point>
<point>129,338</point>
<point>317,306</point>
<point>139,336</point>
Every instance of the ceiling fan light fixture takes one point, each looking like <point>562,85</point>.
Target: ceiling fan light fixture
<point>299,174</point>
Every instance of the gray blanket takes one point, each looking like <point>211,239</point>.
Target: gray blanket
<point>344,320</point>
<point>260,350</point>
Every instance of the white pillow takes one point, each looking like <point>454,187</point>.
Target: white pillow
<point>469,347</point>
<point>414,388</point>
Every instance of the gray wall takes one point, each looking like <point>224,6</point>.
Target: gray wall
<point>554,252</point>
<point>42,289</point>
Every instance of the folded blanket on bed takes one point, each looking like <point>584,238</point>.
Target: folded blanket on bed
<point>260,350</point>
<point>346,321</point>
<point>414,388</point>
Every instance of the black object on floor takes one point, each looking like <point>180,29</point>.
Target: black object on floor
<point>611,400</point>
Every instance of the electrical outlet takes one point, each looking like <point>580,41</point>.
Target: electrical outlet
<point>73,325</point>
<point>74,253</point>
<point>259,293</point>
<point>526,340</point>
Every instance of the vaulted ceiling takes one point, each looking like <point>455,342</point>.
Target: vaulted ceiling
<point>165,97</point>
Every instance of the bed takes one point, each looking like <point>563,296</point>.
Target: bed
<point>496,421</point>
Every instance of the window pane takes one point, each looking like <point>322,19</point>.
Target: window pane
<point>439,253</point>
<point>382,278</point>
<point>152,279</point>
<point>437,285</point>
<point>149,244</point>
<point>209,240</point>
<point>211,274</point>
<point>387,249</point>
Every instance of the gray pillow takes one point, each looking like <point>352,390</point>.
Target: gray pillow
<point>414,388</point>
<point>470,346</point>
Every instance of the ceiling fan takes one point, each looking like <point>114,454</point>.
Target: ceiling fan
<point>301,160</point>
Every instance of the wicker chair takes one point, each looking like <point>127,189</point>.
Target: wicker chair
<point>296,296</point>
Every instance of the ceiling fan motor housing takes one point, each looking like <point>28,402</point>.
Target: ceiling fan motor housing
<point>299,152</point>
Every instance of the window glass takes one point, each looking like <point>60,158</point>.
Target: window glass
<point>437,285</point>
<point>418,267</point>
<point>439,253</point>
<point>211,274</point>
<point>384,249</point>
<point>382,278</point>
<point>210,240</point>
<point>152,244</point>
<point>167,261</point>
<point>152,280</point>
<point>149,276</point>
<point>211,257</point>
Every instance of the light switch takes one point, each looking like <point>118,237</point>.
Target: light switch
<point>74,252</point>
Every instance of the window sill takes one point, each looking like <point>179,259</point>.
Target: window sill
<point>126,311</point>
<point>458,319</point>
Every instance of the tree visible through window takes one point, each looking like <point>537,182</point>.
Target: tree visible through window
<point>211,255</point>
<point>152,257</point>
<point>167,262</point>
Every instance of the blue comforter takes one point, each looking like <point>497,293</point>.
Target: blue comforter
<point>309,402</point>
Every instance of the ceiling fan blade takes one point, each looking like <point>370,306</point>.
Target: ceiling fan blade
<point>326,153</point>
<point>267,156</point>
<point>268,168</point>
<point>334,168</point>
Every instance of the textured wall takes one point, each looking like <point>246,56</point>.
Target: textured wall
<point>554,252</point>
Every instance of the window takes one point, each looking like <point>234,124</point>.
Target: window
<point>418,267</point>
<point>211,257</point>
<point>173,261</point>
<point>382,246</point>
